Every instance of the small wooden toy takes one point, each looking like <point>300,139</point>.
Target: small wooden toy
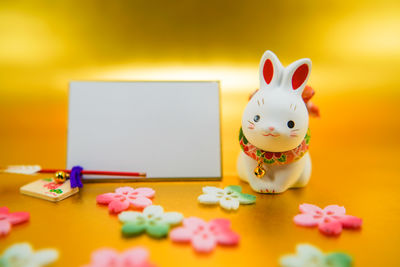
<point>63,184</point>
<point>274,136</point>
<point>49,189</point>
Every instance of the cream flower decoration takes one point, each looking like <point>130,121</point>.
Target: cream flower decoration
<point>22,255</point>
<point>310,256</point>
<point>229,198</point>
<point>152,220</point>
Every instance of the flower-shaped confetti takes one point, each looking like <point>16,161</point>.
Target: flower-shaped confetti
<point>310,256</point>
<point>22,255</point>
<point>7,219</point>
<point>330,220</point>
<point>229,198</point>
<point>134,257</point>
<point>153,220</point>
<point>124,197</point>
<point>205,236</point>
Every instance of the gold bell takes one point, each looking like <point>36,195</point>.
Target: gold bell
<point>259,171</point>
<point>60,177</point>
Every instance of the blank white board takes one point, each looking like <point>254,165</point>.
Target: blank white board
<point>169,130</point>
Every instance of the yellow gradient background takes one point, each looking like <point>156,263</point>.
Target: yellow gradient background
<point>355,50</point>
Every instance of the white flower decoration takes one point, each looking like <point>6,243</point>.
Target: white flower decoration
<point>310,256</point>
<point>307,255</point>
<point>229,198</point>
<point>23,169</point>
<point>22,255</point>
<point>153,220</point>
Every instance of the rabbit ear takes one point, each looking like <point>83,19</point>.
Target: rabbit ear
<point>270,70</point>
<point>296,75</point>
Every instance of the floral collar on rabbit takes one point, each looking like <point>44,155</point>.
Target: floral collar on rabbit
<point>272,158</point>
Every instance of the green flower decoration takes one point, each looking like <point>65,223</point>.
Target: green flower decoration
<point>57,191</point>
<point>152,220</point>
<point>310,256</point>
<point>229,198</point>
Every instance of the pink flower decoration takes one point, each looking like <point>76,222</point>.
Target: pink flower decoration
<point>330,220</point>
<point>52,185</point>
<point>124,197</point>
<point>205,236</point>
<point>135,257</point>
<point>7,219</point>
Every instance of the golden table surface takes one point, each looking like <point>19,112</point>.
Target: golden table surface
<point>354,150</point>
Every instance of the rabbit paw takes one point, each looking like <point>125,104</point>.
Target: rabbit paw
<point>271,190</point>
<point>268,191</point>
<point>261,186</point>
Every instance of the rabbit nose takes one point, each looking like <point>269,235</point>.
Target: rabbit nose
<point>271,128</point>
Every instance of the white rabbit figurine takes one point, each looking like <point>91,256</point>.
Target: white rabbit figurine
<point>274,136</point>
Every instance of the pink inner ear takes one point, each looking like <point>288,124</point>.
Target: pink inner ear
<point>299,76</point>
<point>268,71</point>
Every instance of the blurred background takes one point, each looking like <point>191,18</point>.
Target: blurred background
<point>44,44</point>
<point>354,47</point>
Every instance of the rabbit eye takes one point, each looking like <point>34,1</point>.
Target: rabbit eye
<point>290,124</point>
<point>256,118</point>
